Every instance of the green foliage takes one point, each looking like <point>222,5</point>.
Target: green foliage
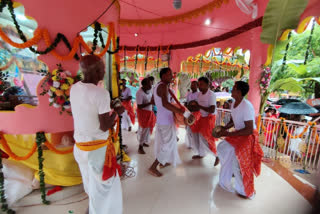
<point>294,66</point>
<point>280,15</point>
<point>229,83</point>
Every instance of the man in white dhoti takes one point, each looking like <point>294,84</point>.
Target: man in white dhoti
<point>146,117</point>
<point>206,143</point>
<point>93,117</point>
<point>128,116</point>
<point>240,153</point>
<point>192,96</point>
<point>166,148</point>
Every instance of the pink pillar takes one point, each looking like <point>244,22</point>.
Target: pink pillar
<point>258,57</point>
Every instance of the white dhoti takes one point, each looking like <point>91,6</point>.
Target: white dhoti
<point>104,196</point>
<point>125,120</point>
<point>190,136</point>
<point>165,145</point>
<point>229,166</point>
<point>201,146</point>
<point>143,135</point>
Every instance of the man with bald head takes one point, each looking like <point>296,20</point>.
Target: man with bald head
<point>93,120</point>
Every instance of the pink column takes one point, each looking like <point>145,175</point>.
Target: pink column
<point>258,57</point>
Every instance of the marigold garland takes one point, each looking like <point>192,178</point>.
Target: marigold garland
<point>44,34</point>
<point>310,124</point>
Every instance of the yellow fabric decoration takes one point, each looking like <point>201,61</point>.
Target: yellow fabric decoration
<point>60,170</point>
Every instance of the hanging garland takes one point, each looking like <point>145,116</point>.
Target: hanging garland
<point>136,58</point>
<point>125,58</point>
<point>309,43</point>
<point>101,40</point>
<point>57,40</point>
<point>97,29</point>
<point>41,138</point>
<point>4,206</point>
<point>117,47</point>
<point>201,61</point>
<point>42,33</point>
<point>284,61</point>
<point>146,59</point>
<point>158,59</point>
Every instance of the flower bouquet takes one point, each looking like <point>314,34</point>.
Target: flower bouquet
<point>57,85</point>
<point>265,80</point>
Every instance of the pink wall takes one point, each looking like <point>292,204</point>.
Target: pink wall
<point>67,17</point>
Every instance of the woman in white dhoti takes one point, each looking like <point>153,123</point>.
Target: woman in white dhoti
<point>166,149</point>
<point>93,118</point>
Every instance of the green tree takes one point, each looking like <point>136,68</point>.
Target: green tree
<point>297,74</point>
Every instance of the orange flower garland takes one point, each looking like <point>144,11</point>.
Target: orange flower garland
<point>44,34</point>
<point>36,38</point>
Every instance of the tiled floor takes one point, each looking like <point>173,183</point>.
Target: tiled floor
<point>191,188</point>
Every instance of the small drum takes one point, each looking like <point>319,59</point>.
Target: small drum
<point>216,130</point>
<point>116,103</point>
<point>192,106</point>
<point>180,120</point>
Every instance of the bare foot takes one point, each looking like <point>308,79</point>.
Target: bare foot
<point>145,145</point>
<point>155,172</point>
<point>217,161</point>
<point>141,151</point>
<point>164,166</point>
<point>197,157</point>
<point>242,196</point>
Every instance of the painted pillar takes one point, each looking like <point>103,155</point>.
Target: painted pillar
<point>258,57</point>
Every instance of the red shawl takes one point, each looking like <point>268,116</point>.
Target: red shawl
<point>204,126</point>
<point>127,105</point>
<point>249,155</point>
<point>146,119</point>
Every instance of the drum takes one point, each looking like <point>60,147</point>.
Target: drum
<point>193,106</point>
<point>180,120</point>
<point>216,130</point>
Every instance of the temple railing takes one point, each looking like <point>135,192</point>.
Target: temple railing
<point>293,143</point>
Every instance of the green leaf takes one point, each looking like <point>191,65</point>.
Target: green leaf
<point>301,69</point>
<point>280,15</point>
<point>289,84</point>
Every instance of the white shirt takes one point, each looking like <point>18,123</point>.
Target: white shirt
<point>208,99</point>
<point>164,116</point>
<point>87,102</point>
<point>243,112</point>
<point>192,96</point>
<point>126,93</point>
<point>144,98</point>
